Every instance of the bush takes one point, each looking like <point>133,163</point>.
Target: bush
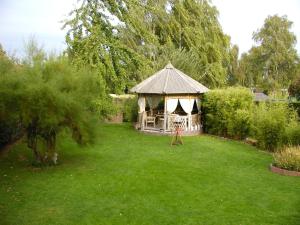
<point>231,113</point>
<point>240,125</point>
<point>41,99</point>
<point>275,125</point>
<point>295,106</point>
<point>292,136</point>
<point>270,122</point>
<point>130,110</point>
<point>227,112</point>
<point>288,158</point>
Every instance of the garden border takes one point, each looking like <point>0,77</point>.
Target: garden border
<point>285,172</point>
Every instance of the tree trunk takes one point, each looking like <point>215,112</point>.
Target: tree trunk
<point>51,143</point>
<point>32,142</point>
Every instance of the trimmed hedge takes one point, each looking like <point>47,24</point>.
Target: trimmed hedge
<point>227,112</point>
<point>231,113</point>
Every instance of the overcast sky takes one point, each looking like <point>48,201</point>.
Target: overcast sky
<point>21,18</point>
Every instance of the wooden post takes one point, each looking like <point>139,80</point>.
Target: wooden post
<point>189,121</point>
<point>189,117</point>
<point>165,113</point>
<point>141,114</point>
<point>142,121</point>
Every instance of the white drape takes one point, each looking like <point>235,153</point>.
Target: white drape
<point>187,105</point>
<point>153,101</point>
<point>142,104</point>
<point>198,103</point>
<point>172,104</point>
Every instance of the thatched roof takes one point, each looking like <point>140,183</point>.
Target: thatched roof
<point>169,80</point>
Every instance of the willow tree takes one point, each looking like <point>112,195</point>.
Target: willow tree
<point>127,40</point>
<point>93,39</point>
<point>195,28</point>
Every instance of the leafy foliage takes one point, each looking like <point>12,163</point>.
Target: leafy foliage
<point>270,122</point>
<point>273,62</point>
<point>10,128</point>
<point>130,110</point>
<point>292,133</point>
<point>43,97</point>
<point>128,40</point>
<point>226,112</point>
<point>288,158</point>
<point>231,113</point>
<point>275,125</point>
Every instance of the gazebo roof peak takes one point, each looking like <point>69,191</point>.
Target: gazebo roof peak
<point>169,66</point>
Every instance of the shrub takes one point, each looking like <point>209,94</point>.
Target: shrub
<point>240,125</point>
<point>130,110</point>
<point>295,106</point>
<point>292,134</point>
<point>270,122</point>
<point>288,158</point>
<point>227,112</point>
<point>43,98</point>
<point>230,112</point>
<point>275,125</point>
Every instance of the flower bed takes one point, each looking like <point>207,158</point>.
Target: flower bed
<point>278,170</point>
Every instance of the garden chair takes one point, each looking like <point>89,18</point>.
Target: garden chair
<point>150,120</point>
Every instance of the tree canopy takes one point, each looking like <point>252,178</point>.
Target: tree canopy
<point>43,96</point>
<point>273,62</point>
<point>128,40</point>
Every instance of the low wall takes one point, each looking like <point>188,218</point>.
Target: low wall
<point>278,170</point>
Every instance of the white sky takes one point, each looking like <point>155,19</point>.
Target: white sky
<point>21,18</point>
<point>240,18</point>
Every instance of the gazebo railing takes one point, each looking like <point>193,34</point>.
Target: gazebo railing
<point>195,122</point>
<point>181,121</point>
<point>173,120</point>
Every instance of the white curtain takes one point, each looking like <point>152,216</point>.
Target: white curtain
<point>187,105</point>
<point>153,101</point>
<point>172,104</point>
<point>198,103</point>
<point>142,104</point>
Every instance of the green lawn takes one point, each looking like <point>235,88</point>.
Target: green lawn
<point>131,178</point>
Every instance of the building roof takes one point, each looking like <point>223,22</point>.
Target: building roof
<point>124,96</point>
<point>169,80</point>
<point>260,97</point>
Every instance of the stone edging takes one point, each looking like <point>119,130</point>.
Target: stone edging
<point>278,170</point>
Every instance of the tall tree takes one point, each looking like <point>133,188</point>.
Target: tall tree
<point>127,40</point>
<point>273,62</point>
<point>233,66</point>
<point>195,28</point>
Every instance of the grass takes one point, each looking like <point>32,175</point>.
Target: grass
<point>130,178</point>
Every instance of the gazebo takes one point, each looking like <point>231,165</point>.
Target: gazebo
<point>167,99</point>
